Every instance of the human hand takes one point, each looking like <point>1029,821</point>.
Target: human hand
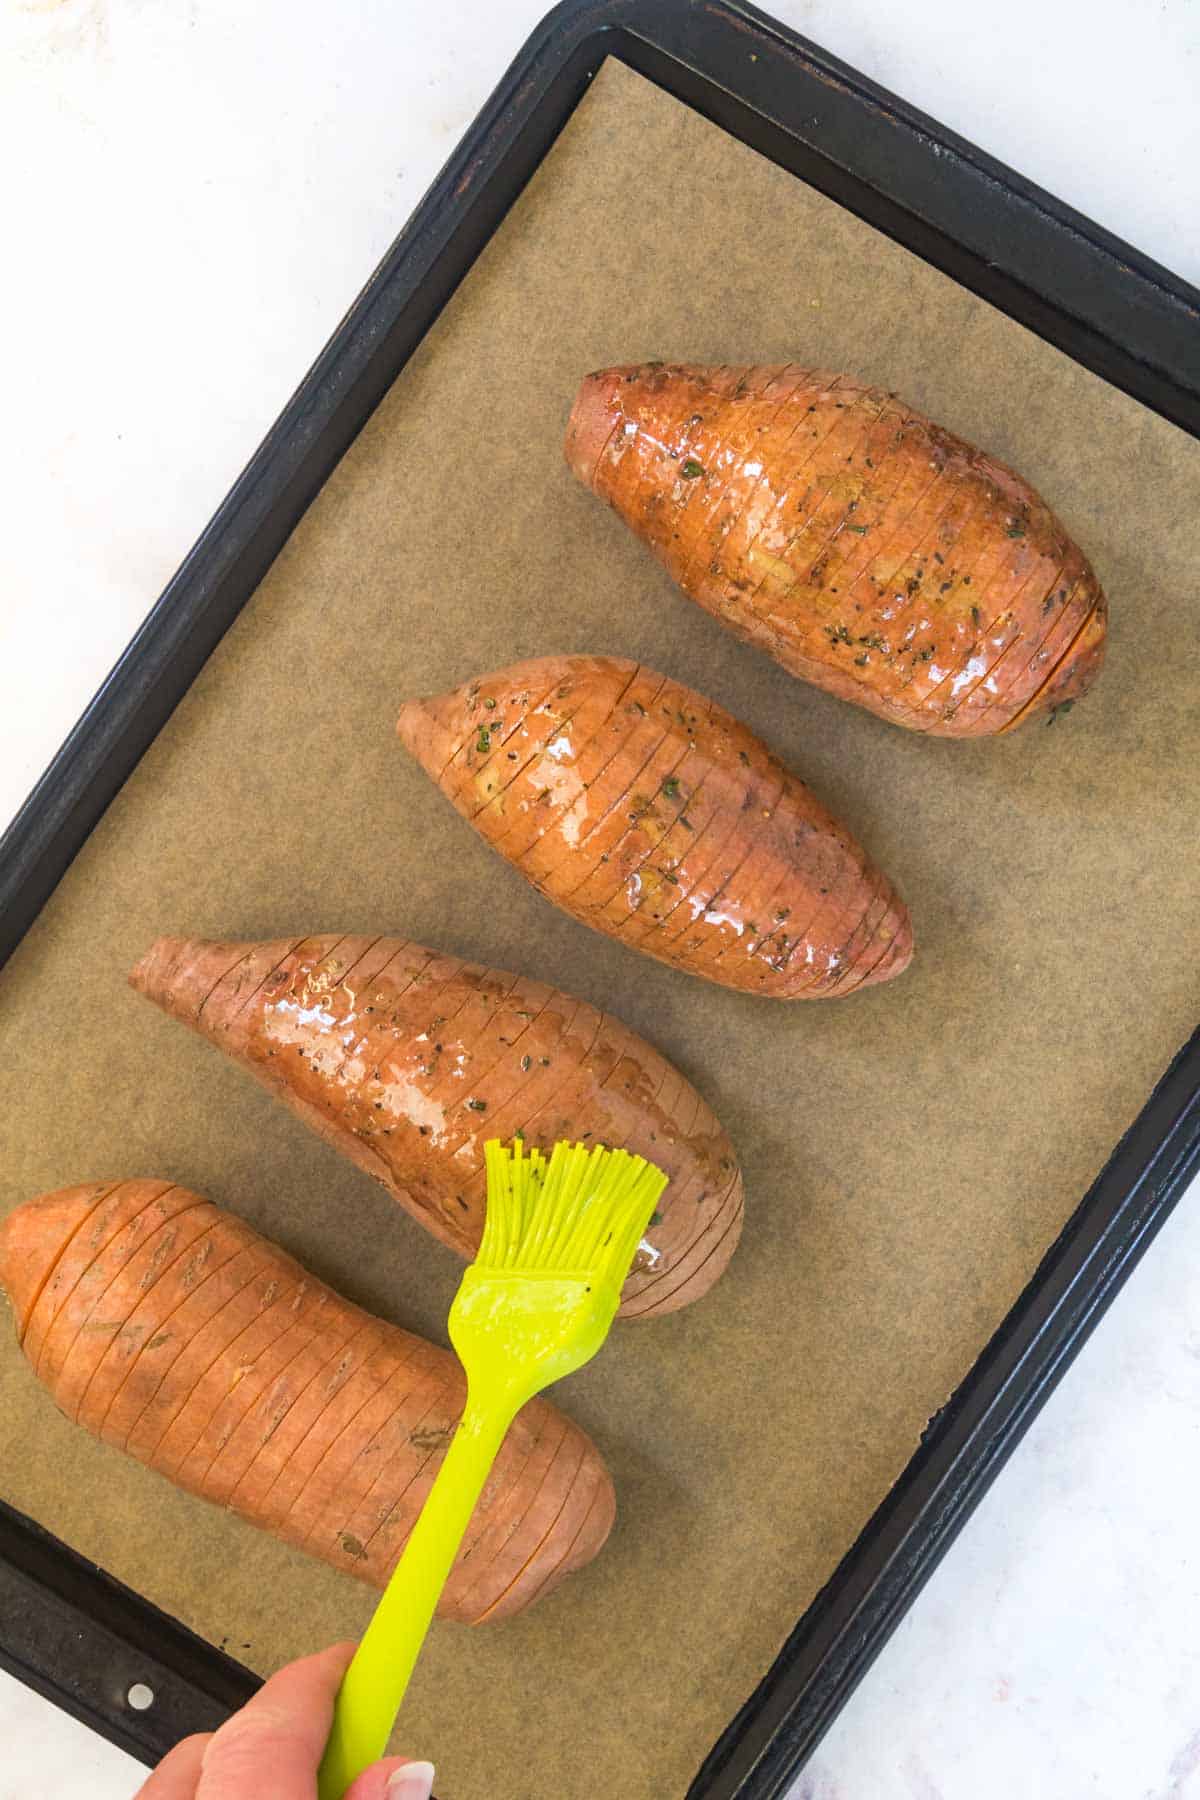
<point>271,1749</point>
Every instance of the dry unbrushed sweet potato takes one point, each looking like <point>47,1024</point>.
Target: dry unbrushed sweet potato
<point>650,813</point>
<point>866,549</point>
<point>408,1060</point>
<point>172,1330</point>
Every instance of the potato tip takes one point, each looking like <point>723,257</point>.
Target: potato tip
<point>593,418</point>
<point>411,723</point>
<point>33,1237</point>
<point>152,973</point>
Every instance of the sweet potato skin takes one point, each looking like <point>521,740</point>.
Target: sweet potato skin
<point>408,1061</point>
<point>280,1400</point>
<point>868,550</point>
<point>652,814</point>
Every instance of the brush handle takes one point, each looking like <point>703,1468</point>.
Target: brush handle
<point>375,1683</point>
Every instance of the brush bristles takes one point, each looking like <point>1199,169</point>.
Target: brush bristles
<point>583,1212</point>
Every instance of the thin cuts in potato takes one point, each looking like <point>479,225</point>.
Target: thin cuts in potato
<point>408,1061</point>
<point>652,814</point>
<point>171,1330</point>
<point>866,549</point>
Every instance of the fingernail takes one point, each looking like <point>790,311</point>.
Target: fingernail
<point>413,1782</point>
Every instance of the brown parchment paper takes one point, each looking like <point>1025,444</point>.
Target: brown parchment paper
<point>909,1153</point>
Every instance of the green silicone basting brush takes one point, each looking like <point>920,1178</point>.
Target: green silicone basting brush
<point>535,1305</point>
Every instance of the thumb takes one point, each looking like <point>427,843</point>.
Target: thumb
<point>395,1778</point>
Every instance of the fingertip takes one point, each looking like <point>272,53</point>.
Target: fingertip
<point>324,1666</point>
<point>395,1778</point>
<point>411,1781</point>
<point>178,1773</point>
<point>294,1706</point>
<point>345,1647</point>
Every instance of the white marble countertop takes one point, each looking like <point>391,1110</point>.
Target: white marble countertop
<point>203,185</point>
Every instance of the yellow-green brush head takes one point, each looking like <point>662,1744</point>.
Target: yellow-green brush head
<point>560,1234</point>
<point>584,1212</point>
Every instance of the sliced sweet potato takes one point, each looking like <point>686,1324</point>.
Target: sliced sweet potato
<point>409,1061</point>
<point>367,1429</point>
<point>868,550</point>
<point>699,846</point>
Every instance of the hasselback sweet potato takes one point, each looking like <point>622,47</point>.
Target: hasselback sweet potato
<point>408,1060</point>
<point>650,813</point>
<point>868,550</point>
<point>172,1330</point>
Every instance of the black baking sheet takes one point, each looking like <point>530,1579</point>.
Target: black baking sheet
<point>1096,300</point>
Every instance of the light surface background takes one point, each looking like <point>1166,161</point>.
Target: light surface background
<point>196,192</point>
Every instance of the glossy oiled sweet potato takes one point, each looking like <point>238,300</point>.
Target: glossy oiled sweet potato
<point>408,1061</point>
<point>172,1330</point>
<point>866,549</point>
<point>650,813</point>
